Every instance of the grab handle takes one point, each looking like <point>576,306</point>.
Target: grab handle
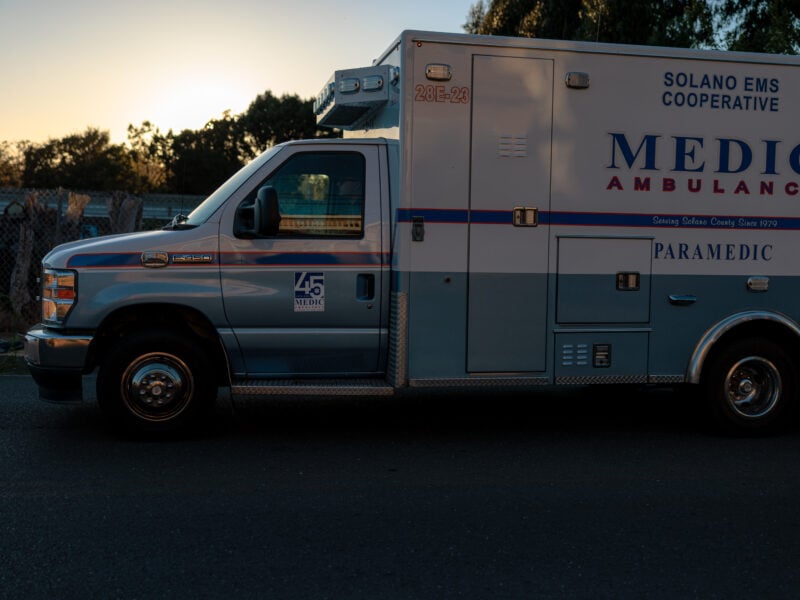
<point>682,299</point>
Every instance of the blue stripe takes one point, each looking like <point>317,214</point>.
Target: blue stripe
<point>133,259</point>
<point>339,259</point>
<point>598,219</point>
<point>671,221</point>
<point>433,215</point>
<point>119,259</point>
<point>491,217</point>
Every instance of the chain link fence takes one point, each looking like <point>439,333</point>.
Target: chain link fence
<point>34,221</point>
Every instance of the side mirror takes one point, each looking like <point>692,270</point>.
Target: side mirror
<point>266,214</point>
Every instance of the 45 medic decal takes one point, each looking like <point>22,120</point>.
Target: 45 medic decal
<point>309,292</point>
<point>441,93</point>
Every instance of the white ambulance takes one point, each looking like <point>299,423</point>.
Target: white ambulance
<point>502,212</point>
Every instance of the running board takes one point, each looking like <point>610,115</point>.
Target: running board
<point>312,387</point>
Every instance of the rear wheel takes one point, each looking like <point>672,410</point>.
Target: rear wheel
<point>155,383</point>
<point>752,386</point>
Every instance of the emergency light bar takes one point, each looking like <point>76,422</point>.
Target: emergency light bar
<point>352,95</point>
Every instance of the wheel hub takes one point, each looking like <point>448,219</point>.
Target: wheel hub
<point>157,386</point>
<point>746,387</point>
<point>753,387</point>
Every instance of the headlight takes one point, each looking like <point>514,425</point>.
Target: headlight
<point>58,295</point>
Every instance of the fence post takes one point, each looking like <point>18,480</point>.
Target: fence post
<point>124,213</point>
<point>59,206</point>
<point>73,218</point>
<point>19,289</point>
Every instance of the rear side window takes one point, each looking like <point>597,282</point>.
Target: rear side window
<point>320,194</point>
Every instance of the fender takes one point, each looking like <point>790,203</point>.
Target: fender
<point>715,333</point>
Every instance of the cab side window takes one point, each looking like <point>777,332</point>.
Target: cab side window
<point>319,194</point>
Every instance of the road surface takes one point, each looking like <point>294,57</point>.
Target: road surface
<point>560,495</point>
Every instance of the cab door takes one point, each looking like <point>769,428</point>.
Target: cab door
<point>305,297</point>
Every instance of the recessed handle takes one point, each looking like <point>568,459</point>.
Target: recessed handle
<point>629,281</point>
<point>682,299</point>
<point>365,287</point>
<point>417,229</point>
<point>525,216</point>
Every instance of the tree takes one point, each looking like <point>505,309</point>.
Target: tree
<point>526,18</point>
<point>678,23</point>
<point>655,22</point>
<point>10,165</point>
<point>475,17</point>
<point>81,161</point>
<point>762,25</point>
<point>189,162</point>
<point>197,162</point>
<point>148,147</point>
<point>270,120</point>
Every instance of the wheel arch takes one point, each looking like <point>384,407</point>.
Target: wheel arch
<point>178,318</point>
<point>754,323</point>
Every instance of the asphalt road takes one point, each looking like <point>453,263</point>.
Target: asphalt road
<point>557,496</point>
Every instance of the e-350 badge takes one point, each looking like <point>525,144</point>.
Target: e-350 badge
<point>309,292</point>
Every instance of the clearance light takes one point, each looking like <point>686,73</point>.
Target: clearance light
<point>758,284</point>
<point>325,98</point>
<point>438,72</point>
<point>577,80</point>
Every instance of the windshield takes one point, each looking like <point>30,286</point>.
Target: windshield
<point>210,205</point>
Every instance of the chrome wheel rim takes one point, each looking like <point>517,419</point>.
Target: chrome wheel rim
<point>157,386</point>
<point>753,387</point>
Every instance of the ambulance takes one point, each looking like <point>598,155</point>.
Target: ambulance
<point>501,213</point>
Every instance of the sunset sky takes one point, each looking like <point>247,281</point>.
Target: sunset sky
<point>69,64</point>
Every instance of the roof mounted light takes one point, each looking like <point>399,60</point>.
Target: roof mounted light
<point>325,97</point>
<point>353,96</point>
<point>372,83</point>
<point>349,85</point>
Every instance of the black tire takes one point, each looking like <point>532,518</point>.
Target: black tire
<point>155,383</point>
<point>751,386</point>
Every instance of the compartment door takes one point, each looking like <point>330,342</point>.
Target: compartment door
<point>603,280</point>
<point>510,169</point>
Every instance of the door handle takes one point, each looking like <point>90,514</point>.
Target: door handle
<point>682,299</point>
<point>365,287</point>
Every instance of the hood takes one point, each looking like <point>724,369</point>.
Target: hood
<point>129,246</point>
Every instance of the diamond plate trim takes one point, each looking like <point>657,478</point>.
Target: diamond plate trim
<point>397,367</point>
<point>317,387</point>
<point>667,379</point>
<point>480,382</point>
<point>594,379</point>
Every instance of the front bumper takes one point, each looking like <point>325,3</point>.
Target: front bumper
<point>57,362</point>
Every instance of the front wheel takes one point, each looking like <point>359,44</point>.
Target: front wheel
<point>155,383</point>
<point>752,386</point>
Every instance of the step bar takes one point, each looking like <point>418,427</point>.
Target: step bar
<point>315,387</point>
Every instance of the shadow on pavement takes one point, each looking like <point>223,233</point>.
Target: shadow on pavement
<point>557,410</point>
